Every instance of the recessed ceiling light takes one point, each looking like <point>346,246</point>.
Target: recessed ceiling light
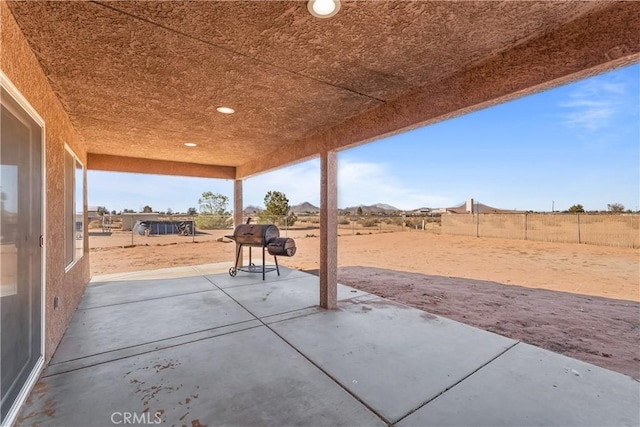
<point>190,144</point>
<point>323,8</point>
<point>225,110</point>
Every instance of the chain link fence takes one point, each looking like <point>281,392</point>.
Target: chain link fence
<point>138,229</point>
<point>148,229</point>
<point>353,224</point>
<point>156,229</point>
<point>369,224</point>
<point>607,230</point>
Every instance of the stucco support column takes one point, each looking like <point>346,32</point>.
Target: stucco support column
<point>237,203</point>
<point>328,230</point>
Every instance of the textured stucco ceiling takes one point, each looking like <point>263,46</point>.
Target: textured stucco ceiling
<point>141,78</point>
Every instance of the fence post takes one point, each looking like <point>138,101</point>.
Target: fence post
<point>477,225</point>
<point>578,223</point>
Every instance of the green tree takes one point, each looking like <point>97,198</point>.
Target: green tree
<point>102,211</point>
<point>277,210</point>
<point>147,209</point>
<point>169,211</point>
<point>192,211</point>
<point>615,207</point>
<point>213,204</point>
<point>576,209</point>
<point>359,212</point>
<point>128,211</point>
<point>213,211</point>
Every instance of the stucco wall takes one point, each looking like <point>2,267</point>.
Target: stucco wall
<point>20,65</point>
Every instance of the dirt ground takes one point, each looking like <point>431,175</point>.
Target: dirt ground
<point>602,331</point>
<point>578,300</point>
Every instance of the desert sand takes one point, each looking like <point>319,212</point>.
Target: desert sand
<point>579,300</point>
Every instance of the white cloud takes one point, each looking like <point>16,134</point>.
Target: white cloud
<point>359,182</point>
<point>300,183</point>
<point>369,183</point>
<point>364,183</point>
<point>617,88</point>
<point>595,104</point>
<point>133,191</point>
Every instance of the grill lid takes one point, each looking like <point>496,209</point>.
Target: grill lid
<point>255,234</point>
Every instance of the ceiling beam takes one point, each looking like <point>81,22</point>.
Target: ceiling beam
<point>594,43</point>
<point>109,163</point>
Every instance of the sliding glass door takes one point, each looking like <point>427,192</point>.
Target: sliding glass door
<point>20,249</point>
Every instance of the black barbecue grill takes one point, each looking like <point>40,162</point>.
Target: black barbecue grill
<point>265,236</point>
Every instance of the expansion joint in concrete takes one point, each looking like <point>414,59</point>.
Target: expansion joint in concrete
<point>459,382</point>
<point>146,299</point>
<point>77,364</point>
<point>308,359</point>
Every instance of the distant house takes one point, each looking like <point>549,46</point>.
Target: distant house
<point>426,212</point>
<point>92,213</point>
<point>252,210</point>
<point>438,211</point>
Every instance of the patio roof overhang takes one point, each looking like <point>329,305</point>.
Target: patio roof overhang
<point>139,79</point>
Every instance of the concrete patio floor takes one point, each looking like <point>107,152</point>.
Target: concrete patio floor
<point>193,346</point>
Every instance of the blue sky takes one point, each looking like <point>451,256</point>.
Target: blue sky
<point>579,143</point>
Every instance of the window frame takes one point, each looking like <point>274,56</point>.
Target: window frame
<point>70,221</point>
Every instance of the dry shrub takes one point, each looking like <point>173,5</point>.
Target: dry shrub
<point>96,223</point>
<point>369,222</point>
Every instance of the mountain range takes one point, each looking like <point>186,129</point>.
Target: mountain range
<point>383,208</point>
<point>309,208</point>
<point>377,208</point>
<point>304,207</point>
